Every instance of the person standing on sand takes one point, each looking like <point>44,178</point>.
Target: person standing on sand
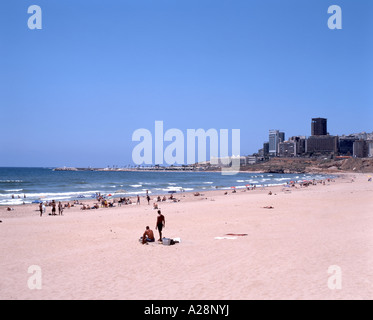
<point>53,208</point>
<point>161,223</point>
<point>41,208</point>
<point>138,199</point>
<point>60,209</point>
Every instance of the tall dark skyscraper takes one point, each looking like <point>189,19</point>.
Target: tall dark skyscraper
<point>319,127</point>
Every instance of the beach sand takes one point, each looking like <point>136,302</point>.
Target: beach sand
<point>286,254</point>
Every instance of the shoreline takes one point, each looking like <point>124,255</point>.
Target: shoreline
<point>22,198</point>
<point>182,196</point>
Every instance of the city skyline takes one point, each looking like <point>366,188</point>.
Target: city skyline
<point>319,142</point>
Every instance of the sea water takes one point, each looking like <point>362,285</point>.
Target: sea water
<point>24,185</point>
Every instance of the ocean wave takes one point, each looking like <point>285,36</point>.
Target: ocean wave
<point>135,185</point>
<point>13,190</point>
<point>53,195</point>
<point>11,181</point>
<point>283,179</point>
<point>136,193</point>
<point>13,202</point>
<point>172,189</point>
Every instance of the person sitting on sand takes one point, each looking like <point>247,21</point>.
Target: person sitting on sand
<point>155,206</point>
<point>10,209</point>
<point>148,236</point>
<point>270,193</point>
<point>164,198</point>
<point>159,199</point>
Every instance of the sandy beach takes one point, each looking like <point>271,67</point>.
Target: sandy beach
<point>286,253</point>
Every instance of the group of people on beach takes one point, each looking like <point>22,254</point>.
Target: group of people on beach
<point>54,205</point>
<point>148,235</point>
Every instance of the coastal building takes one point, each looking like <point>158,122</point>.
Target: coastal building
<point>319,127</point>
<point>295,146</point>
<point>275,137</point>
<point>253,159</point>
<point>265,149</point>
<point>300,144</point>
<point>360,149</point>
<point>326,144</point>
<point>370,148</point>
<point>227,161</point>
<point>287,149</point>
<point>346,145</point>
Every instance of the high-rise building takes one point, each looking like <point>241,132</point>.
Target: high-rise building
<point>322,145</point>
<point>370,148</point>
<point>275,137</point>
<point>281,137</point>
<point>346,145</point>
<point>300,144</point>
<point>265,149</point>
<point>287,149</point>
<point>361,149</point>
<point>319,127</point>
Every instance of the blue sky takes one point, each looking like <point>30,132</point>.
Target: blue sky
<point>74,92</point>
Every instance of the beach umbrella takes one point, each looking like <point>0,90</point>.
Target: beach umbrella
<point>110,195</point>
<point>37,201</point>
